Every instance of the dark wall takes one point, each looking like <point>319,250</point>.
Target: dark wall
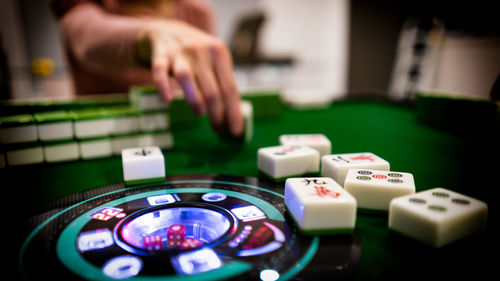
<point>375,27</point>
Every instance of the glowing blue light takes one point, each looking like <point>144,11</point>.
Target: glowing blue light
<point>199,261</point>
<point>96,239</point>
<point>214,196</point>
<point>269,275</point>
<point>248,213</point>
<point>122,267</point>
<point>204,224</point>
<point>161,199</point>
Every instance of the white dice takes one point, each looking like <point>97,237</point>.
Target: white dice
<point>280,162</point>
<point>320,205</point>
<point>317,141</point>
<point>336,166</point>
<point>143,165</point>
<point>374,189</point>
<point>437,216</point>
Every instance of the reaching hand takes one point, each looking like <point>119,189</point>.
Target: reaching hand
<point>200,63</point>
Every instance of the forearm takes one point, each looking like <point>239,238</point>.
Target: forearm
<point>99,40</point>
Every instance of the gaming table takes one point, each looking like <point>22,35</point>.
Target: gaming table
<point>56,200</point>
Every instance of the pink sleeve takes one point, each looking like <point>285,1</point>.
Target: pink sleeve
<point>101,41</point>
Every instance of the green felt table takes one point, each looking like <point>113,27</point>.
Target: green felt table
<point>434,157</point>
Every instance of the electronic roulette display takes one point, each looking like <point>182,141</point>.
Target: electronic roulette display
<point>189,227</point>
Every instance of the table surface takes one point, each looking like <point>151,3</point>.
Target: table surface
<point>435,158</point>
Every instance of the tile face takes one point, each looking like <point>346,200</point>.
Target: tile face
<point>124,125</point>
<point>320,205</point>
<point>336,165</point>
<point>374,189</point>
<point>317,141</point>
<point>146,98</point>
<point>18,134</point>
<point>61,152</point>
<point>17,129</point>
<point>246,108</point>
<point>29,155</point>
<point>95,148</point>
<point>55,131</point>
<point>119,143</point>
<point>285,161</point>
<point>143,164</point>
<point>152,121</point>
<point>162,139</point>
<point>92,128</point>
<point>437,216</point>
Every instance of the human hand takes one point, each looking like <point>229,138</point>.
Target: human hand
<point>200,63</point>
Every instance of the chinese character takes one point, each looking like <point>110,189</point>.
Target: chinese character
<point>340,158</point>
<point>363,157</point>
<point>322,191</point>
<point>315,181</point>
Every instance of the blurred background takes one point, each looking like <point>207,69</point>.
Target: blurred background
<point>311,51</point>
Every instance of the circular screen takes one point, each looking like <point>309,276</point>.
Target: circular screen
<point>193,227</point>
<point>164,229</point>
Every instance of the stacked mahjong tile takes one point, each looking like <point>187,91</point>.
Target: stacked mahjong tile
<point>85,132</point>
<point>324,192</point>
<point>18,139</point>
<point>153,122</point>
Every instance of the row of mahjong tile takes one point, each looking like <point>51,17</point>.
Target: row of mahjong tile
<point>358,173</point>
<point>436,216</point>
<point>365,175</point>
<point>80,124</point>
<point>67,150</point>
<point>301,154</point>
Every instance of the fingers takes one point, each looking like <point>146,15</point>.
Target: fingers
<point>160,79</point>
<point>159,68</point>
<point>202,66</point>
<point>183,73</point>
<point>229,90</point>
<point>209,85</point>
<point>210,89</point>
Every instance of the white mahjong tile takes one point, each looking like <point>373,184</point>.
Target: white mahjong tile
<point>285,161</point>
<point>55,131</point>
<point>143,164</point>
<point>336,165</point>
<point>124,125</point>
<point>246,108</point>
<point>374,189</point>
<point>320,205</point>
<point>317,141</point>
<point>18,129</point>
<point>95,148</point>
<point>437,216</point>
<point>152,121</point>
<point>24,156</point>
<point>61,152</point>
